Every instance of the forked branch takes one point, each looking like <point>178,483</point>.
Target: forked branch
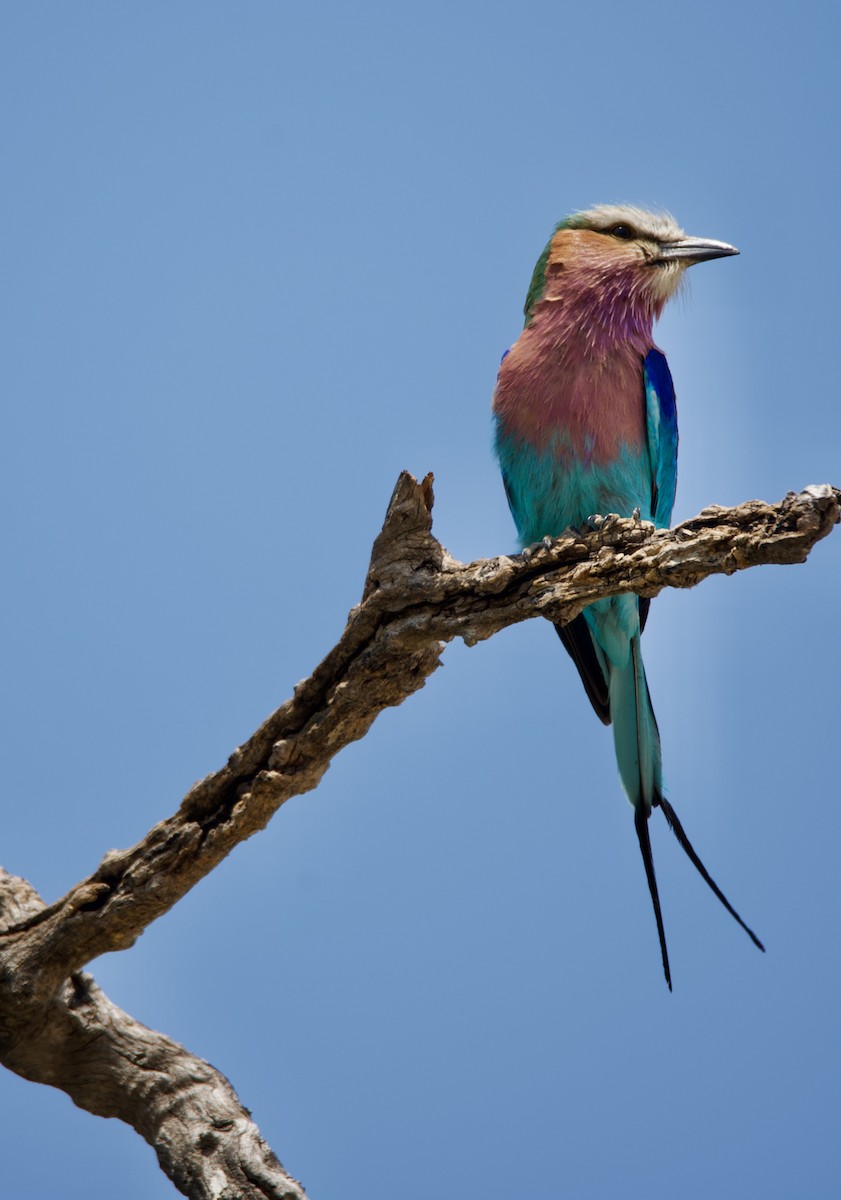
<point>57,1027</point>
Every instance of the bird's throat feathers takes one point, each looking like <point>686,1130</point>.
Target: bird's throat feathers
<point>597,292</point>
<point>575,373</point>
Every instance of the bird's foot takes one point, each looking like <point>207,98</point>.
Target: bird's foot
<point>595,521</point>
<point>528,552</point>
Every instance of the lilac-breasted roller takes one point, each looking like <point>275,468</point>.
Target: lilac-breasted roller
<point>586,423</point>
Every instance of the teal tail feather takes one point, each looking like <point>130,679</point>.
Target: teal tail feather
<point>637,742</point>
<point>635,734</point>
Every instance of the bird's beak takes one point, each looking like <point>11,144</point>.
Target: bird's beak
<point>692,250</point>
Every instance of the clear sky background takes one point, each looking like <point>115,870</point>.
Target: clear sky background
<point>257,258</point>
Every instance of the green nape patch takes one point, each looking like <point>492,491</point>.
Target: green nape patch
<point>538,279</point>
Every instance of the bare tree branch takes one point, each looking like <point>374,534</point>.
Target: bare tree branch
<point>113,1066</point>
<point>57,1027</point>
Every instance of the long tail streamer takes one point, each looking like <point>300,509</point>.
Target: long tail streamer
<point>678,830</point>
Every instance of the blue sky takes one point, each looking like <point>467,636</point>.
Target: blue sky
<point>258,258</point>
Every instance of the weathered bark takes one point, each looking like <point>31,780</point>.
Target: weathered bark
<point>57,1027</point>
<point>113,1066</point>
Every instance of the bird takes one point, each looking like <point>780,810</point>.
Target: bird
<point>585,425</point>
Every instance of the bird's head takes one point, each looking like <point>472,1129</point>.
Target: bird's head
<point>617,261</point>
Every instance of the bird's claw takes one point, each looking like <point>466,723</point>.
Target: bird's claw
<point>529,552</point>
<point>596,521</point>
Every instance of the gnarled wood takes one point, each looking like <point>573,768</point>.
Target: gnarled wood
<point>113,1066</point>
<point>57,1027</point>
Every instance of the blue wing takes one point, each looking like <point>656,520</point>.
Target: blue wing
<point>661,417</point>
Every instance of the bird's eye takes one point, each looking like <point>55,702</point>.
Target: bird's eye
<point>625,232</point>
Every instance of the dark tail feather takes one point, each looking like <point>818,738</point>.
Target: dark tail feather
<point>578,642</point>
<point>641,814</point>
<point>677,829</point>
